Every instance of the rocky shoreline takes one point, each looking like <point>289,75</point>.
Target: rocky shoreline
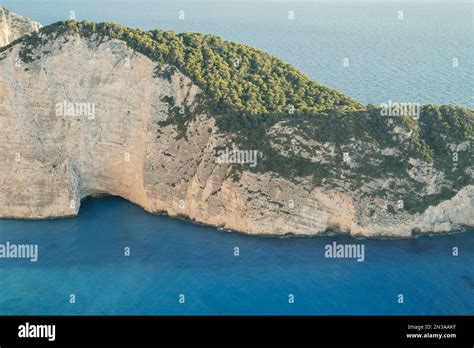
<point>128,142</point>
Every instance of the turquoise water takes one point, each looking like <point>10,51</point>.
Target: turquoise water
<point>409,60</point>
<point>84,256</point>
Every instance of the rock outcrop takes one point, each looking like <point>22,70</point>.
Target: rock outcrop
<point>91,117</point>
<point>14,26</point>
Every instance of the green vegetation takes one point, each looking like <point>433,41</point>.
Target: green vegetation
<point>442,125</point>
<point>363,134</point>
<point>235,77</point>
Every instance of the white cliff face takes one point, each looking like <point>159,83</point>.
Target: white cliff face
<point>14,26</point>
<point>86,119</point>
<point>445,216</point>
<point>61,158</point>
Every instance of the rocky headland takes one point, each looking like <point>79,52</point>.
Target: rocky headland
<point>90,109</point>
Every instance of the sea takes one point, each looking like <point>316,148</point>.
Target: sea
<point>116,259</point>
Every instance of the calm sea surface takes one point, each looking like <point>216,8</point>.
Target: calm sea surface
<point>389,59</point>
<point>84,256</point>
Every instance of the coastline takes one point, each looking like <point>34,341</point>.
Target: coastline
<point>328,233</point>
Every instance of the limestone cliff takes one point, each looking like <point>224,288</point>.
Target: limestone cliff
<point>14,26</point>
<point>90,115</point>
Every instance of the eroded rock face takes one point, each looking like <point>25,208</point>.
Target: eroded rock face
<point>14,26</point>
<point>62,157</point>
<point>91,118</point>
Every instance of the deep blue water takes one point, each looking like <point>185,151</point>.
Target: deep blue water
<point>409,60</point>
<point>85,256</point>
